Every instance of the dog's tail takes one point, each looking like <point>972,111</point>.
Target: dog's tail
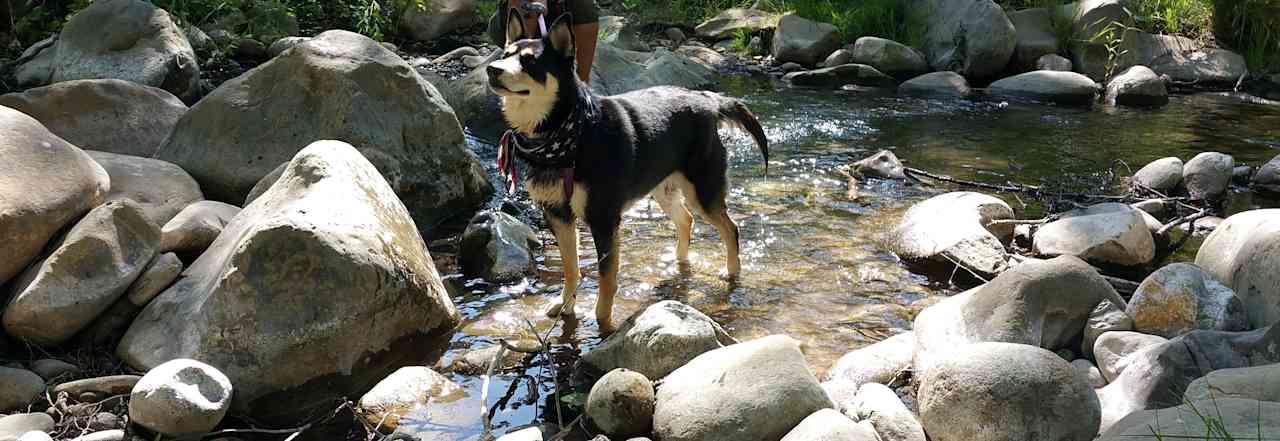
<point>736,114</point>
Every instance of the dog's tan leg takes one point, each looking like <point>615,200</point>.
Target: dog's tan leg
<point>728,234</point>
<point>566,233</point>
<point>671,201</point>
<point>606,234</point>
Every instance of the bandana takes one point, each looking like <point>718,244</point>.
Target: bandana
<point>557,150</point>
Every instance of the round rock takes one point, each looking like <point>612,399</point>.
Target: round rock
<point>621,403</point>
<point>18,387</point>
<point>180,397</point>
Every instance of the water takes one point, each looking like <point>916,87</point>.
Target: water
<point>812,266</point>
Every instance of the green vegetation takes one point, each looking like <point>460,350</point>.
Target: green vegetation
<point>890,19</point>
<point>1189,18</point>
<point>1251,27</point>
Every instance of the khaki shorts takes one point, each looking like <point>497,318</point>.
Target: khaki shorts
<point>584,11</point>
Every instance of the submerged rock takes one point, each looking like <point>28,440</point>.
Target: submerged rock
<point>407,389</point>
<point>883,164</point>
<point>732,393</point>
<point>877,363</point>
<point>659,339</point>
<point>1005,391</point>
<point>302,290</point>
<point>497,247</point>
<point>951,229</point>
<point>1111,233</point>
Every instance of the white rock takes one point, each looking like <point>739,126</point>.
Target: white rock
<point>181,397</point>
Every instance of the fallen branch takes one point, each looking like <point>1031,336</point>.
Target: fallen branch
<point>999,222</point>
<point>1181,220</point>
<point>1011,188</point>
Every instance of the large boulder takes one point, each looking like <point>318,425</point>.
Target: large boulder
<point>732,393</point>
<point>1267,177</point>
<point>35,66</point>
<point>877,363</point>
<point>936,84</point>
<point>106,330</point>
<point>659,339</point>
<point>1006,392</point>
<point>338,85</point>
<point>617,71</point>
<point>804,41</point>
<point>438,18</point>
<point>1036,36</point>
<point>1255,383</point>
<point>1044,303</point>
<point>971,37</point>
<point>160,188</point>
<point>1157,376</point>
<point>109,115</point>
<point>1219,418</point>
<point>497,247</point>
<point>45,183</point>
<point>1093,24</point>
<point>1054,62</point>
<point>1138,86</point>
<point>87,271</point>
<point>730,22</point>
<point>1047,85</point>
<point>1207,176</point>
<point>304,292</point>
<point>405,390</point>
<point>180,397</point>
<point>888,56</point>
<point>830,425</point>
<point>834,77</point>
<point>1208,66</point>
<point>1113,350</point>
<point>1243,252</point>
<point>1110,233</point>
<point>1161,175</point>
<point>952,230</point>
<point>194,228</point>
<point>1180,298</point>
<point>130,40</point>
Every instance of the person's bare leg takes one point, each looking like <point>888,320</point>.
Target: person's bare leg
<point>585,35</point>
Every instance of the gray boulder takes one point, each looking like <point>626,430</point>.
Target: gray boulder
<point>1036,37</point>
<point>409,388</point>
<point>1113,349</point>
<point>732,393</point>
<point>160,188</point>
<point>804,41</point>
<point>355,90</point>
<point>130,40</point>
<point>730,22</point>
<point>48,184</point>
<point>283,44</point>
<point>952,229</point>
<point>1209,66</point>
<point>18,388</point>
<point>886,412</point>
<point>971,37</point>
<point>888,56</point>
<point>1054,62</point>
<point>1180,298</point>
<point>439,18</point>
<point>160,274</point>
<point>829,425</point>
<point>1207,176</point>
<point>55,370</point>
<point>1228,418</point>
<point>1112,233</point>
<point>110,115</point>
<point>1091,21</point>
<point>877,363</point>
<point>35,66</point>
<point>1092,375</point>
<point>621,403</point>
<point>1042,303</point>
<point>1157,376</point>
<point>87,271</point>
<point>659,339</point>
<point>195,227</point>
<point>838,58</point>
<point>1005,391</point>
<point>1254,383</point>
<point>1243,253</point>
<point>936,84</point>
<point>284,301</point>
<point>105,331</point>
<point>1138,86</point>
<point>1162,175</point>
<point>497,247</point>
<point>180,397</point>
<point>834,77</point>
<point>1267,177</point>
<point>1045,85</point>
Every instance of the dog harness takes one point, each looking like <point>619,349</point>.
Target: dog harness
<point>558,149</point>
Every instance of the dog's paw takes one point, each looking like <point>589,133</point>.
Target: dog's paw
<point>728,276</point>
<point>559,309</point>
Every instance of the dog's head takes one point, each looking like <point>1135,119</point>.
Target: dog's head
<point>532,68</point>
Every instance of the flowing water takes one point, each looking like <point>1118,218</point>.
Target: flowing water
<point>812,264</point>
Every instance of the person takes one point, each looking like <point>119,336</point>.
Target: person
<point>586,25</point>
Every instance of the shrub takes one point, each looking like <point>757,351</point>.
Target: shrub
<point>1251,27</point>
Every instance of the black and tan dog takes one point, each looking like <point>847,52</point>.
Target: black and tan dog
<point>590,157</point>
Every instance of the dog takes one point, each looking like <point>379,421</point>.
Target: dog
<point>590,157</point>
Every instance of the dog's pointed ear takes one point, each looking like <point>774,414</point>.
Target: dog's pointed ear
<point>515,26</point>
<point>561,36</point>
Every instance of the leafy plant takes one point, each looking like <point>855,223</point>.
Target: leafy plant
<point>1189,18</point>
<point>1111,38</point>
<point>741,42</point>
<point>1251,27</point>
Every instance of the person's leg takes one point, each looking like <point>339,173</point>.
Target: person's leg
<point>585,34</point>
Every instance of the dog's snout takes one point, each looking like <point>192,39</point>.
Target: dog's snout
<point>493,71</point>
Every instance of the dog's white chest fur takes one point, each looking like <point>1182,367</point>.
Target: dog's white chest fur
<point>553,194</point>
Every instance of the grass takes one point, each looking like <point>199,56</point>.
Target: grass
<point>1188,18</point>
<point>1252,28</point>
<point>1215,427</point>
<point>890,19</point>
